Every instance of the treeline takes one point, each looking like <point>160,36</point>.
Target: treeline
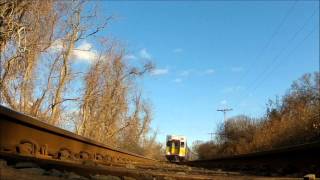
<point>39,74</point>
<point>293,119</point>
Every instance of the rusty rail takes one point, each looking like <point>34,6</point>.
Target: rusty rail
<point>24,135</point>
<point>299,159</point>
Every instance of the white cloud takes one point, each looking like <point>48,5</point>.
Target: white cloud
<point>185,73</point>
<point>209,71</point>
<point>237,69</point>
<point>223,102</point>
<point>144,54</point>
<point>178,50</point>
<point>177,80</point>
<point>85,52</point>
<point>157,72</point>
<point>233,89</point>
<point>189,72</point>
<point>130,56</point>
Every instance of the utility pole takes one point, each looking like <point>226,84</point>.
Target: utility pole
<point>225,112</point>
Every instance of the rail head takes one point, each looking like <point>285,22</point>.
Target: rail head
<point>35,123</point>
<point>281,150</point>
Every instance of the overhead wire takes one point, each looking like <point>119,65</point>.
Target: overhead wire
<point>264,75</point>
<point>266,46</point>
<point>288,55</point>
<point>268,42</point>
<point>275,59</point>
<point>277,65</point>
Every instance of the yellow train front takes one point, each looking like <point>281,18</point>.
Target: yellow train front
<point>176,148</point>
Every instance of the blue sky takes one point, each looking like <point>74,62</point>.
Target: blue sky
<point>214,54</point>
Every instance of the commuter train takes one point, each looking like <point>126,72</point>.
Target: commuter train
<point>176,148</point>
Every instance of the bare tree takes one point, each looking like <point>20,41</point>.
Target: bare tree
<point>106,101</point>
<point>26,32</point>
<point>38,39</point>
<point>35,39</point>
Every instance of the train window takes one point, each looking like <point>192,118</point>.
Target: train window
<point>182,144</point>
<point>168,143</point>
<point>177,144</point>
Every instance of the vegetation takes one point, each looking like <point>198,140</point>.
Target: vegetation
<point>295,119</point>
<point>39,43</point>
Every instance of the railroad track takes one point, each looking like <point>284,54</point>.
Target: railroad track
<point>28,140</point>
<point>26,136</point>
<point>295,160</point>
<point>42,147</point>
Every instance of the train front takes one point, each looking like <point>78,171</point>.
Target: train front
<point>176,148</point>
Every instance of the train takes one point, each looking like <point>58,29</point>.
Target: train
<point>176,148</point>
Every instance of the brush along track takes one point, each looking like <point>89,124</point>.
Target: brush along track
<point>297,160</point>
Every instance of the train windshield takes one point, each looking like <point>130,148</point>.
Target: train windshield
<point>182,144</point>
<point>173,143</point>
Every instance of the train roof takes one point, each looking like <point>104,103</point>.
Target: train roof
<point>176,137</point>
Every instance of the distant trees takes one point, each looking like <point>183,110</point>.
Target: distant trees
<point>236,133</point>
<point>38,77</point>
<point>294,119</point>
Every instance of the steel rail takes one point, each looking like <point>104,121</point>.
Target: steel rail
<point>24,135</point>
<point>299,159</point>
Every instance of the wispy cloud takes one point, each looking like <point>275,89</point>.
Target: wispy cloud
<point>144,54</point>
<point>157,72</point>
<point>237,69</point>
<point>141,54</point>
<point>177,80</point>
<point>130,57</point>
<point>233,89</point>
<point>209,71</point>
<point>85,52</point>
<point>194,72</point>
<point>185,73</point>
<point>178,50</point>
<point>223,102</point>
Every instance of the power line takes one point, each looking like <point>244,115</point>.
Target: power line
<point>266,46</point>
<point>296,47</point>
<point>225,110</point>
<point>264,72</point>
<point>268,43</point>
<point>288,55</point>
<point>264,75</point>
